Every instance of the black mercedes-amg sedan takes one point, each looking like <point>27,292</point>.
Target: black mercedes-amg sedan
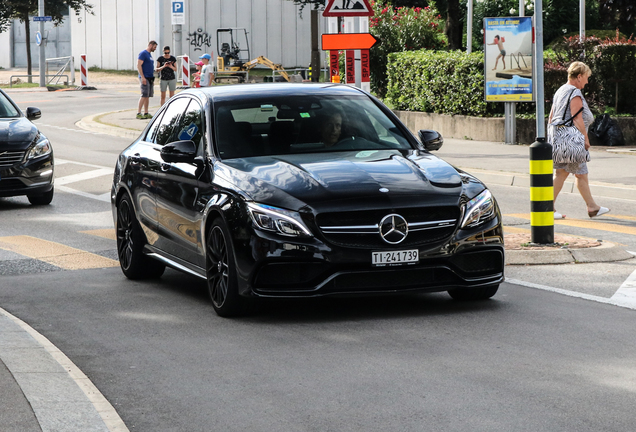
<point>26,155</point>
<point>300,190</point>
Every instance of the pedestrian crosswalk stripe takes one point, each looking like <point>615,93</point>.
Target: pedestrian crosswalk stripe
<point>589,224</point>
<point>57,254</point>
<point>107,233</point>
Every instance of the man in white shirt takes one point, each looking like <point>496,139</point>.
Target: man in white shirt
<point>206,71</point>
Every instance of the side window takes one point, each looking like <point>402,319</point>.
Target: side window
<point>152,131</point>
<point>191,124</point>
<point>169,121</point>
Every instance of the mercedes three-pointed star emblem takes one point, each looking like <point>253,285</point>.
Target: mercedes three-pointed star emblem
<point>393,229</point>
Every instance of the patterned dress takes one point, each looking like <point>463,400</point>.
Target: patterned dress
<point>561,102</point>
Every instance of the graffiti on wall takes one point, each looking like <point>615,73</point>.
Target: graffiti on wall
<point>199,38</point>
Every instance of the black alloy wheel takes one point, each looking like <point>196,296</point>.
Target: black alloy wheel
<point>221,272</point>
<point>130,244</point>
<point>470,294</point>
<point>43,199</point>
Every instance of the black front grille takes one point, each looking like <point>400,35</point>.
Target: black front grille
<point>10,158</point>
<point>479,263</point>
<point>358,229</point>
<point>11,184</point>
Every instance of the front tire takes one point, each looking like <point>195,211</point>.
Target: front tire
<point>221,272</point>
<point>472,294</point>
<point>130,245</point>
<point>43,199</point>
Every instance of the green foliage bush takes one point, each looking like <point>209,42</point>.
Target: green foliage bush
<point>437,81</point>
<point>453,82</point>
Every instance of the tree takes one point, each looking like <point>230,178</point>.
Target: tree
<point>21,9</point>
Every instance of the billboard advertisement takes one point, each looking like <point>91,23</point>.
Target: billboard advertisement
<point>508,59</point>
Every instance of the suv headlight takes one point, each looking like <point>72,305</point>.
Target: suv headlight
<point>479,210</point>
<point>41,148</point>
<point>278,220</point>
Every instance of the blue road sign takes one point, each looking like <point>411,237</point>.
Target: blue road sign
<point>38,38</point>
<point>42,18</point>
<point>177,7</point>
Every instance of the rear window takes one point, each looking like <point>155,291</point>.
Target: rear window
<point>7,109</point>
<point>303,124</point>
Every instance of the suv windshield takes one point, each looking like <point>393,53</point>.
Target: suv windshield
<point>7,110</point>
<point>281,125</point>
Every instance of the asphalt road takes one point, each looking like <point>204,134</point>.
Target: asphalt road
<point>526,360</point>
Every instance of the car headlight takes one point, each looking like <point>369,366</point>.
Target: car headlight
<point>479,210</point>
<point>41,148</point>
<point>278,220</point>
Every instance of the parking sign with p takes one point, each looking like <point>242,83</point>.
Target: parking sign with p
<point>178,12</point>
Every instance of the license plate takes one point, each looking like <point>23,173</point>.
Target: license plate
<point>380,259</point>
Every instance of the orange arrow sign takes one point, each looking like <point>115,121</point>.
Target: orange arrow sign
<point>348,41</point>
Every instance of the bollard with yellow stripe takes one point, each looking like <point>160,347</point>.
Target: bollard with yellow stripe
<point>541,193</point>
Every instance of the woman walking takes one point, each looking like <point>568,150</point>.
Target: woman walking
<point>567,132</point>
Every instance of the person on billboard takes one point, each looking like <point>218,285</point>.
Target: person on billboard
<point>502,52</point>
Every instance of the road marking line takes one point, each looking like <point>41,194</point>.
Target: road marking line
<point>72,130</point>
<point>59,161</point>
<point>109,234</point>
<point>573,294</point>
<point>105,410</point>
<point>580,223</point>
<point>88,175</point>
<point>57,254</point>
<point>626,294</point>
<point>102,197</point>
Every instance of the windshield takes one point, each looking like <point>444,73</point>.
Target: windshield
<point>281,125</point>
<point>7,110</point>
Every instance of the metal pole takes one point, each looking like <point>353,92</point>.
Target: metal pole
<point>42,46</point>
<point>176,31</point>
<point>469,28</point>
<point>582,20</point>
<point>315,50</point>
<point>538,54</point>
<point>510,123</point>
<point>522,8</point>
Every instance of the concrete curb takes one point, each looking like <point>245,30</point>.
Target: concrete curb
<point>26,90</point>
<point>61,396</point>
<point>91,124</point>
<point>607,252</point>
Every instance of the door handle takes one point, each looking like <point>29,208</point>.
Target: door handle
<point>165,167</point>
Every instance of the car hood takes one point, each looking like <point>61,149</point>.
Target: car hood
<point>17,133</point>
<point>359,179</point>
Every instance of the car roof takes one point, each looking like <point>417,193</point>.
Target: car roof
<point>249,91</point>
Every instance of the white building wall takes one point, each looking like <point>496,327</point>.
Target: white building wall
<point>119,29</point>
<point>5,49</point>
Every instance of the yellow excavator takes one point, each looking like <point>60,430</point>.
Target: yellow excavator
<point>233,62</point>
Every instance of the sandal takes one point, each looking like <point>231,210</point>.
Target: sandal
<point>558,215</point>
<point>599,212</point>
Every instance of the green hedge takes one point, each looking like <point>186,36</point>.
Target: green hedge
<point>437,81</point>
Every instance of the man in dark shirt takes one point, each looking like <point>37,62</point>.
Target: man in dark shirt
<point>167,65</point>
<point>146,68</point>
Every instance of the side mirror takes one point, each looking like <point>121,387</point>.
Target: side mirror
<point>179,151</point>
<point>432,140</point>
<point>33,113</point>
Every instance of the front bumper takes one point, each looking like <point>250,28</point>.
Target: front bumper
<point>309,270</point>
<point>34,177</point>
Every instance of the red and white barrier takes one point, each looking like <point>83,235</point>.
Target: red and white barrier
<point>83,71</point>
<point>185,71</point>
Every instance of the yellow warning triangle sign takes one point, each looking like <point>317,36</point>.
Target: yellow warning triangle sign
<point>336,8</point>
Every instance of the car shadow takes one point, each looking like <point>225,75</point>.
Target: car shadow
<point>331,308</point>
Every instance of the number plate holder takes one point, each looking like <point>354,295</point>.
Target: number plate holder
<point>395,258</point>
